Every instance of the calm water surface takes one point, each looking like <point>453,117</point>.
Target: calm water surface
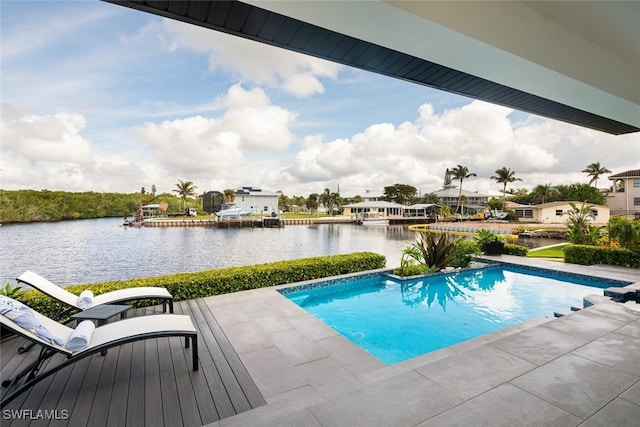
<point>94,250</point>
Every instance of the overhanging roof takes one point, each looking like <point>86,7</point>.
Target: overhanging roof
<point>576,62</point>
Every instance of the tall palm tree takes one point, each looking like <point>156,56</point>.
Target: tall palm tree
<point>594,170</point>
<point>543,192</point>
<point>229,195</point>
<point>185,189</point>
<point>460,173</point>
<point>505,176</point>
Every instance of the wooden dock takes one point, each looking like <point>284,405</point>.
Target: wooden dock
<point>145,383</point>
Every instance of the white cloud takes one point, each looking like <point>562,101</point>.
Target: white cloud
<point>46,138</point>
<point>259,63</point>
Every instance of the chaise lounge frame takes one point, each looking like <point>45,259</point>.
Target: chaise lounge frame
<point>114,297</point>
<point>104,337</point>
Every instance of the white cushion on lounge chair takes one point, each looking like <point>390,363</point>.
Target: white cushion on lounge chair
<point>61,294</point>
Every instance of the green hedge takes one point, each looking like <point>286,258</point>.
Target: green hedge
<point>233,279</point>
<point>517,250</point>
<point>589,255</point>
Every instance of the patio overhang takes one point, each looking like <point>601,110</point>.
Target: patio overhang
<point>577,62</point>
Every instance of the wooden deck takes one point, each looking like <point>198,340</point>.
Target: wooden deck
<point>145,383</point>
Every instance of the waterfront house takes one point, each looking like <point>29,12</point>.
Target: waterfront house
<point>555,212</point>
<point>249,198</point>
<point>624,198</point>
<point>472,199</point>
<point>374,209</point>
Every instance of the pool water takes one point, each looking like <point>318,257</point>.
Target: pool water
<point>396,320</point>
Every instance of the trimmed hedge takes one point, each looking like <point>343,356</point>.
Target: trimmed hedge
<point>517,250</point>
<point>202,284</point>
<point>589,255</point>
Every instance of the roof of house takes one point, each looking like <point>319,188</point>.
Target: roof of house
<point>551,204</point>
<point>454,191</point>
<point>626,174</point>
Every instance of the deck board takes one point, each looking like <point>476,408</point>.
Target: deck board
<point>144,383</point>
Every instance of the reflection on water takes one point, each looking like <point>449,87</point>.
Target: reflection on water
<point>95,250</point>
<point>443,288</point>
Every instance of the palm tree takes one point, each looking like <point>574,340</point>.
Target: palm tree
<point>505,176</point>
<point>185,189</point>
<point>543,192</point>
<point>229,195</point>
<point>460,173</point>
<point>594,170</point>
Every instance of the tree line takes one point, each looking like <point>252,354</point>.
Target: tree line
<point>32,205</point>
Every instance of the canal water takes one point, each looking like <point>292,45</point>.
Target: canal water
<point>94,250</point>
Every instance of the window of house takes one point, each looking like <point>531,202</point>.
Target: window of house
<point>558,212</point>
<point>636,201</point>
<point>636,183</point>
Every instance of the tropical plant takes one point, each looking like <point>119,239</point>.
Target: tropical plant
<point>11,291</point>
<point>447,178</point>
<point>411,263</point>
<point>437,250</point>
<point>185,189</point>
<point>595,170</point>
<point>229,195</point>
<point>542,193</point>
<point>460,173</point>
<point>484,236</point>
<point>580,231</point>
<point>312,202</point>
<point>505,176</point>
<point>626,232</point>
<point>467,251</point>
<point>329,200</point>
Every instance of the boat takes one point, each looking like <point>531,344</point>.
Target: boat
<point>373,218</point>
<point>230,210</point>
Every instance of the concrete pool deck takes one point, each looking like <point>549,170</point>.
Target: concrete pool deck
<point>580,369</point>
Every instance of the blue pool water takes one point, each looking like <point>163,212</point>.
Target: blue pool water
<point>395,320</point>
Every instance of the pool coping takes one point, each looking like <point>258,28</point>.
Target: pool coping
<point>307,372</point>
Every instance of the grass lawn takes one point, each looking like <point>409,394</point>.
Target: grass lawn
<point>552,252</point>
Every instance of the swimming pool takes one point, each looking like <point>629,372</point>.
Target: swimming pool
<point>396,320</point>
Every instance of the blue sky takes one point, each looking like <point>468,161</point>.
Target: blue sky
<point>100,97</point>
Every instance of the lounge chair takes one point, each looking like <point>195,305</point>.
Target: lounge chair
<point>114,297</point>
<point>103,337</point>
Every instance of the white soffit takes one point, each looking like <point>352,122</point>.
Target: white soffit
<point>579,53</point>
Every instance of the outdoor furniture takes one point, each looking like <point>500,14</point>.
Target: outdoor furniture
<point>102,313</point>
<point>102,338</point>
<point>122,295</point>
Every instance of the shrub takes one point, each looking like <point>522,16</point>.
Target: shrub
<point>626,232</point>
<point>467,251</point>
<point>517,250</point>
<point>202,284</point>
<point>589,255</point>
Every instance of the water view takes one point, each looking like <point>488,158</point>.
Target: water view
<point>86,251</point>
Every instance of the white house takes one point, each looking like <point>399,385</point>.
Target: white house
<point>257,200</point>
<point>449,197</point>
<point>555,212</point>
<point>379,209</point>
<point>624,199</point>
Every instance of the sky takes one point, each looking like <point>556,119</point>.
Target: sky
<point>100,97</point>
